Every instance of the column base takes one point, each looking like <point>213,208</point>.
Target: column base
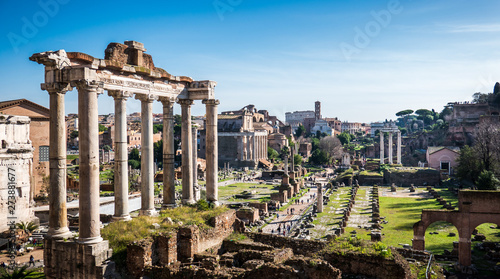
<point>215,203</point>
<point>89,240</point>
<point>148,212</point>
<point>169,205</point>
<point>190,201</point>
<point>121,218</point>
<point>60,233</point>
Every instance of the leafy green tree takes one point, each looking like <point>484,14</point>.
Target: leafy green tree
<point>428,119</point>
<point>344,138</point>
<point>297,159</point>
<point>480,98</point>
<point>271,153</point>
<point>134,164</point>
<point>134,154</point>
<point>404,112</point>
<point>74,134</point>
<point>158,152</point>
<point>301,131</point>
<point>423,112</point>
<point>314,144</point>
<point>319,157</point>
<point>106,147</point>
<point>157,128</point>
<point>102,128</point>
<point>487,181</point>
<point>468,165</point>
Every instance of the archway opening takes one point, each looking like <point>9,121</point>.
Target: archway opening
<point>439,238</point>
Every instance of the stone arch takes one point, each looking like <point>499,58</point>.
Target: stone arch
<point>429,217</point>
<point>479,220</point>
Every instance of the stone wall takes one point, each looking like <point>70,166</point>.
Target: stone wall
<point>369,265</point>
<point>69,259</point>
<point>180,245</point>
<point>416,176</point>
<point>299,246</point>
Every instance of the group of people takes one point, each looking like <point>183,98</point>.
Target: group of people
<point>282,229</point>
<point>30,263</point>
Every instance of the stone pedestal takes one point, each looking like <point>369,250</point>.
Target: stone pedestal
<point>69,259</point>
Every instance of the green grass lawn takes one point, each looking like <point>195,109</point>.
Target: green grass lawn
<point>261,191</point>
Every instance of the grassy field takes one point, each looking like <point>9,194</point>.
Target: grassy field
<point>260,191</point>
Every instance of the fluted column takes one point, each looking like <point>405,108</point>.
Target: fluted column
<point>390,148</point>
<point>58,217</point>
<point>168,153</point>
<point>187,162</point>
<point>194,154</point>
<point>121,156</point>
<point>147,158</point>
<point>212,159</point>
<point>399,148</point>
<point>381,147</point>
<point>88,126</point>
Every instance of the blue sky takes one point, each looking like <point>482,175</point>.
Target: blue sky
<point>364,60</point>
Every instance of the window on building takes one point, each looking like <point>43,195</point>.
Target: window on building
<point>44,154</point>
<point>445,166</point>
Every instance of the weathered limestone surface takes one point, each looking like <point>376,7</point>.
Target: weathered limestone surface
<point>16,153</point>
<point>69,259</point>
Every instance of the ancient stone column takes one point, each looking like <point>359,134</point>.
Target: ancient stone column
<point>88,128</point>
<point>147,158</point>
<point>319,207</point>
<point>382,148</point>
<point>187,162</point>
<point>212,159</point>
<point>121,156</point>
<point>168,153</point>
<point>390,148</point>
<point>196,189</point>
<point>399,148</point>
<point>58,218</point>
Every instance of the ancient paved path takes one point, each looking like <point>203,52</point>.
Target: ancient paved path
<point>361,211</point>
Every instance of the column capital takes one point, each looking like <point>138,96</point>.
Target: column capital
<point>56,87</point>
<point>166,101</point>
<point>185,102</point>
<point>146,97</point>
<point>211,102</point>
<point>90,85</point>
<point>119,94</point>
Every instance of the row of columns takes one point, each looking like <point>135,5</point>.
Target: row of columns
<point>89,224</point>
<point>390,155</point>
<point>251,147</point>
